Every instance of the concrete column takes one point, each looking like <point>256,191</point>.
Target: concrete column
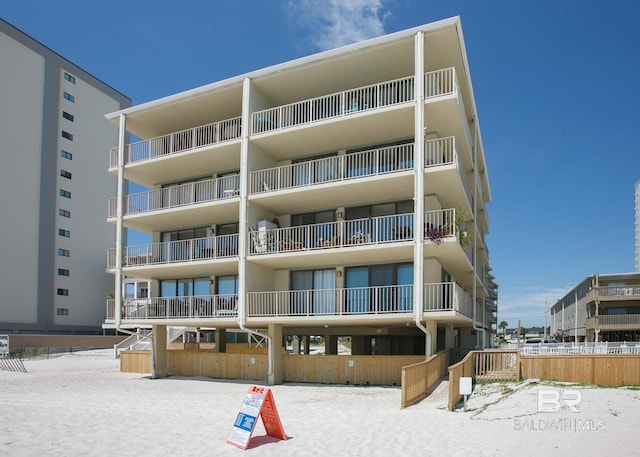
<point>306,344</point>
<point>431,339</point>
<point>275,352</point>
<point>448,336</point>
<point>331,345</point>
<point>221,340</point>
<point>159,366</point>
<point>295,344</point>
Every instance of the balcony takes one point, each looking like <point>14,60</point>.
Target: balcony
<point>444,174</point>
<point>195,257</point>
<point>146,161</point>
<point>446,296</point>
<point>333,243</point>
<point>181,308</point>
<point>147,211</point>
<point>374,113</point>
<point>615,293</point>
<point>614,322</point>
<point>445,111</point>
<point>341,179</point>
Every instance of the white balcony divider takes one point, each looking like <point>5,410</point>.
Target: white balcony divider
<point>361,164</point>
<point>440,82</point>
<point>197,249</point>
<point>336,302</point>
<point>111,308</point>
<point>334,105</point>
<point>447,296</point>
<point>191,193</point>
<point>177,142</point>
<point>440,224</point>
<point>440,151</point>
<point>374,230</point>
<point>189,307</point>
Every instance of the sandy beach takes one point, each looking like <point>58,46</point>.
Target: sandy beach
<point>81,405</point>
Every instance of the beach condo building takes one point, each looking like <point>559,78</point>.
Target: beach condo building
<point>52,181</point>
<point>340,195</point>
<point>603,307</point>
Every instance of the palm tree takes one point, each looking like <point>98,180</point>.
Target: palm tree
<point>503,325</point>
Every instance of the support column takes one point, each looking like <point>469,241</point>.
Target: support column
<point>307,340</point>
<point>221,340</point>
<point>331,345</point>
<point>275,352</point>
<point>431,338</point>
<point>159,366</point>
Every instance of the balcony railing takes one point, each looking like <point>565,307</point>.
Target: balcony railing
<point>175,196</point>
<point>618,291</point>
<point>188,307</point>
<point>440,224</point>
<point>331,302</point>
<point>374,230</point>
<point>447,296</point>
<point>623,321</point>
<point>373,162</point>
<point>334,105</point>
<point>197,249</point>
<point>442,151</point>
<point>177,142</point>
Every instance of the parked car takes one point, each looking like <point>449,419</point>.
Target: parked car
<point>541,340</point>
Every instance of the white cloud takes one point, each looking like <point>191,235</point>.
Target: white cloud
<point>528,304</point>
<point>334,23</point>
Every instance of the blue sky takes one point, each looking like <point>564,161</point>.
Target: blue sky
<point>555,85</point>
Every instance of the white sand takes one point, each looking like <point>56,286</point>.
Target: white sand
<point>81,405</point>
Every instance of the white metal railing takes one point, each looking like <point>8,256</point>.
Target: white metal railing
<point>439,224</point>
<point>447,296</point>
<point>191,193</point>
<point>623,347</point>
<point>185,140</point>
<point>336,302</point>
<point>374,230</point>
<point>440,82</point>
<point>622,320</point>
<point>190,307</point>
<point>360,164</point>
<point>334,105</point>
<point>196,249</point>
<point>618,291</point>
<point>440,151</point>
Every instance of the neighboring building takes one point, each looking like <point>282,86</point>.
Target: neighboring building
<point>342,194</point>
<point>637,186</point>
<point>600,308</point>
<point>52,189</point>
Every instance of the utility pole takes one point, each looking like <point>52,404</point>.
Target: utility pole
<point>546,310</point>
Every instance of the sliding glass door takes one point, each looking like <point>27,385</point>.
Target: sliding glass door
<point>314,292</point>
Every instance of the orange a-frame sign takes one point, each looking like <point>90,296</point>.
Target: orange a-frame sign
<point>257,403</point>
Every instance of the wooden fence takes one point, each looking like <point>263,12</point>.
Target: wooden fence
<point>601,369</point>
<point>483,365</point>
<point>420,378</point>
<point>329,369</point>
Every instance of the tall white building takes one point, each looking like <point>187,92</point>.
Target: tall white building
<point>342,194</point>
<point>52,189</point>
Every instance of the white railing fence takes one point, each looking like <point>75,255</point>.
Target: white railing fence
<point>215,247</point>
<point>440,224</point>
<point>440,151</point>
<point>360,164</point>
<point>578,348</point>
<point>176,142</point>
<point>175,196</point>
<point>334,105</point>
<point>446,296</point>
<point>189,307</point>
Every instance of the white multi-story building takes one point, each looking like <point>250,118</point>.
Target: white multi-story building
<point>342,194</point>
<point>52,181</point>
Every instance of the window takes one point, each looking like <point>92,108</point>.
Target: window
<point>380,288</point>
<point>317,292</point>
<point>65,174</point>
<point>68,96</point>
<point>65,233</point>
<point>63,272</point>
<point>66,155</point>
<point>62,311</point>
<point>64,253</point>
<point>67,135</point>
<point>64,213</point>
<point>67,116</point>
<point>65,193</point>
<point>64,292</point>
<point>69,78</point>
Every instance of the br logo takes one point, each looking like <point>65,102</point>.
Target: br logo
<point>554,400</point>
